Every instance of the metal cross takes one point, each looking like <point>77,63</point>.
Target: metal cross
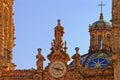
<point>101,5</point>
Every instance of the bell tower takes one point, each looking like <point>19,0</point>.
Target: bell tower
<point>100,45</point>
<point>115,39</point>
<point>6,34</point>
<point>100,34</point>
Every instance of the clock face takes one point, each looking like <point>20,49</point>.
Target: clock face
<point>57,69</point>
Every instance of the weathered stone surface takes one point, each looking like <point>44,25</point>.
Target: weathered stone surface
<point>58,52</point>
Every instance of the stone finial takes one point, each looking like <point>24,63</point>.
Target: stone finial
<point>101,16</point>
<point>76,59</point>
<point>59,24</point>
<point>39,50</point>
<point>77,49</point>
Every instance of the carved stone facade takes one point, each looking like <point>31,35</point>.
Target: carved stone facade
<point>116,38</point>
<point>6,34</point>
<point>100,34</point>
<point>58,68</point>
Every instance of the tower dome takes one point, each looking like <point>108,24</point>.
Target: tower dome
<point>101,23</point>
<point>100,47</point>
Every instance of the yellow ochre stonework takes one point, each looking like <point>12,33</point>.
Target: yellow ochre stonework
<point>6,35</point>
<point>104,40</point>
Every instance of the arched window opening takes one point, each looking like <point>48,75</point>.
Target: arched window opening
<point>108,40</point>
<point>100,42</point>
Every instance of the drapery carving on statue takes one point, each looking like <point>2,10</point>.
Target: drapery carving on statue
<point>76,64</point>
<point>76,59</point>
<point>59,34</point>
<point>39,64</point>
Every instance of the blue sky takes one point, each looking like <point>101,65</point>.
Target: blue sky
<point>35,21</point>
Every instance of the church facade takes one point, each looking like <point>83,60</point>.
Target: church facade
<point>102,62</point>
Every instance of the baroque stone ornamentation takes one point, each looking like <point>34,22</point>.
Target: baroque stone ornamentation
<point>102,62</point>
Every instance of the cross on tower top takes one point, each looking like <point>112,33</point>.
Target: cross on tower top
<point>101,5</point>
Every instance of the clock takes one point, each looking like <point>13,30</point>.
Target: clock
<point>57,69</point>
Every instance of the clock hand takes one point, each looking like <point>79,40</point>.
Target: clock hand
<point>58,69</point>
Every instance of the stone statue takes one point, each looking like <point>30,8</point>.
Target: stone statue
<point>40,60</point>
<point>59,31</point>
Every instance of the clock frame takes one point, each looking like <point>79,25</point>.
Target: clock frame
<point>57,69</point>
